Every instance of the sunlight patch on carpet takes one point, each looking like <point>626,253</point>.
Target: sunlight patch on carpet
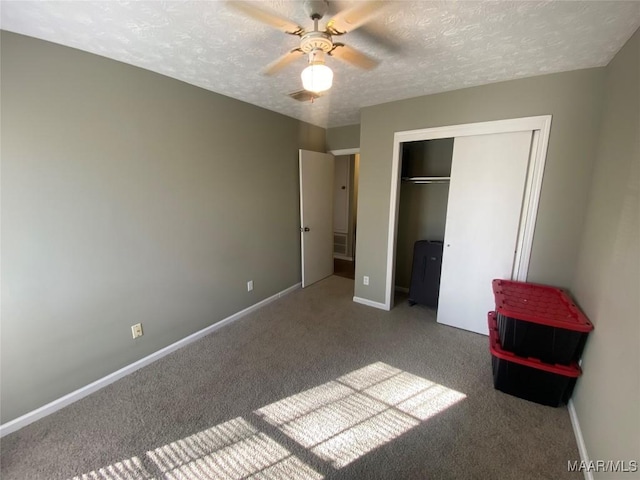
<point>229,451</point>
<point>345,419</point>
<point>337,422</point>
<point>129,469</point>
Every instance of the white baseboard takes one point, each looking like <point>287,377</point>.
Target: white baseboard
<point>371,303</point>
<point>582,448</point>
<point>76,395</point>
<point>342,257</point>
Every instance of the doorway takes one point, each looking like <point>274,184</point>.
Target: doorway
<point>327,234</point>
<point>345,208</point>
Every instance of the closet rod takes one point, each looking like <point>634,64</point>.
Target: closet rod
<point>426,180</point>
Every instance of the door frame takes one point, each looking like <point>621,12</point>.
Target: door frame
<point>541,127</point>
<point>344,151</point>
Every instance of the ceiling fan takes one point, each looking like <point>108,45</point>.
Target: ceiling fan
<point>316,44</point>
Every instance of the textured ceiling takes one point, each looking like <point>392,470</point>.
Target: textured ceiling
<point>436,45</point>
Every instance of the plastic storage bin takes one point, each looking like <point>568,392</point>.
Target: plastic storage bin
<point>540,321</point>
<point>529,378</point>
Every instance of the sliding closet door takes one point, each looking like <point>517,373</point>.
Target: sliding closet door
<point>488,174</point>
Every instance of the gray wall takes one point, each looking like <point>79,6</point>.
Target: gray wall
<point>607,279</point>
<point>573,98</point>
<point>130,197</point>
<point>340,138</point>
<point>423,207</point>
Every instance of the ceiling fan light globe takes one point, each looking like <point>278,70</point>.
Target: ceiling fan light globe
<point>317,78</point>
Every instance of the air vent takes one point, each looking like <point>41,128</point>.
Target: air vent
<point>304,96</point>
<point>340,243</point>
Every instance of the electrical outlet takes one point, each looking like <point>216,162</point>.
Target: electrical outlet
<point>365,280</point>
<point>136,330</point>
<point>249,285</point>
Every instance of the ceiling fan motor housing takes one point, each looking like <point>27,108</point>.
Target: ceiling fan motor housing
<point>316,41</point>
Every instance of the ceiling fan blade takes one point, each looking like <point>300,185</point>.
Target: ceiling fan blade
<point>354,57</point>
<point>283,61</point>
<point>352,18</point>
<point>269,18</point>
<point>379,36</point>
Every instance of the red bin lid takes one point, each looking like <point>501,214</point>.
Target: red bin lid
<point>540,304</point>
<point>572,370</point>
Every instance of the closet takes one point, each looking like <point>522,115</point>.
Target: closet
<point>424,190</point>
<point>475,188</point>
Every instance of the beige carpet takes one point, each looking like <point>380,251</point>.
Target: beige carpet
<point>311,386</point>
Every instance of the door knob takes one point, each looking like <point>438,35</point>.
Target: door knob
<point>305,229</point>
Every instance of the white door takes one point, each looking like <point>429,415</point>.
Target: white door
<point>316,215</point>
<point>488,175</point>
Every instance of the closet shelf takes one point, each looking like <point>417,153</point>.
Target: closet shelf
<point>426,180</point>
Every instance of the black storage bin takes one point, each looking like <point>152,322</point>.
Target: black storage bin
<point>540,321</point>
<point>425,273</point>
<point>529,378</point>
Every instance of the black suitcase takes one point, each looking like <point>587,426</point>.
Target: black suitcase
<point>425,273</point>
